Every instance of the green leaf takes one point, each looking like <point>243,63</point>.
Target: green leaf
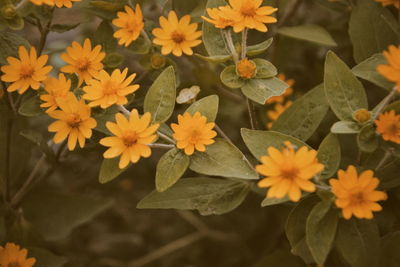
<point>329,154</point>
<point>253,50</point>
<point>215,58</point>
<point>304,116</point>
<point>170,168</point>
<point>208,196</point>
<point>344,92</point>
<point>31,107</point>
<point>60,28</point>
<point>367,139</point>
<point>141,45</point>
<point>367,71</point>
<point>230,78</point>
<point>260,90</point>
<point>273,201</point>
<point>207,106</point>
<point>109,170</point>
<point>38,139</point>
<point>45,258</point>
<point>113,60</point>
<point>309,32</point>
<point>369,29</point>
<point>345,127</point>
<point>212,37</point>
<point>358,242</point>
<point>258,141</point>
<point>222,159</point>
<point>265,69</point>
<point>321,230</point>
<point>160,98</point>
<point>390,250</point>
<point>295,227</point>
<point>103,36</point>
<point>9,43</point>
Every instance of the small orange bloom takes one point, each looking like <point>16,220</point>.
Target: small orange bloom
<point>130,24</point>
<point>11,255</point>
<point>55,88</point>
<point>217,17</point>
<point>391,71</point>
<point>388,125</point>
<point>246,69</point>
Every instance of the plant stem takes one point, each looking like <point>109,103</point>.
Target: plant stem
<point>7,176</point>
<point>161,146</point>
<point>252,114</point>
<point>244,42</point>
<point>385,102</point>
<point>231,46</point>
<point>44,31</point>
<point>223,134</point>
<point>385,158</point>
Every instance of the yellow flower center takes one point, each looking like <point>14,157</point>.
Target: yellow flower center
<point>14,264</point>
<point>289,173</point>
<point>110,88</point>
<point>248,10</point>
<point>177,37</point>
<point>392,129</point>
<point>129,139</point>
<point>26,72</point>
<point>74,120</point>
<point>131,27</point>
<point>246,68</point>
<point>195,136</point>
<point>83,64</point>
<point>357,198</point>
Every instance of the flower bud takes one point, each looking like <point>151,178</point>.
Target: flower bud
<point>8,11</point>
<point>361,115</point>
<point>246,69</point>
<point>158,61</point>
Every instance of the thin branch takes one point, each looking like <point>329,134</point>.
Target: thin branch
<point>7,177</point>
<point>161,146</point>
<point>244,42</point>
<point>228,37</point>
<point>252,114</point>
<point>385,102</point>
<point>385,158</point>
<point>222,133</point>
<point>44,32</point>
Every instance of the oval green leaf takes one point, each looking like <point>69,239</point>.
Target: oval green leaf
<point>265,69</point>
<point>309,32</point>
<point>329,154</point>
<point>230,78</point>
<point>207,106</point>
<point>260,90</point>
<point>109,170</point>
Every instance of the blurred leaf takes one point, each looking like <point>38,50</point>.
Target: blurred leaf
<point>207,106</point>
<point>279,258</point>
<point>358,242</point>
<point>110,170</point>
<point>345,127</point>
<point>260,90</point>
<point>16,23</point>
<point>160,98</point>
<point>254,50</point>
<point>31,107</point>
<point>9,43</point>
<point>258,141</point>
<point>309,32</point>
<point>113,60</point>
<point>390,250</point>
<point>38,139</point>
<point>215,59</point>
<point>329,154</point>
<point>103,117</point>
<point>55,214</point>
<point>141,45</point>
<point>304,116</point>
<point>170,168</point>
<point>321,230</point>
<point>367,139</point>
<point>208,196</point>
<point>222,159</point>
<point>60,28</point>
<point>295,227</point>
<point>367,71</point>
<point>273,201</point>
<point>371,29</point>
<point>45,258</point>
<point>230,78</point>
<point>265,69</point>
<point>23,233</point>
<point>212,37</point>
<point>344,92</point>
<point>104,36</point>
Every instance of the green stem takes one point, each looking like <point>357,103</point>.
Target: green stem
<point>385,102</point>
<point>229,41</point>
<point>244,42</point>
<point>385,158</point>
<point>252,114</point>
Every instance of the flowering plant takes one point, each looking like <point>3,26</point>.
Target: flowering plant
<point>184,105</point>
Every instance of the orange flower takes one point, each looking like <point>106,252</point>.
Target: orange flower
<point>41,2</point>
<point>388,125</point>
<point>193,132</point>
<point>273,115</point>
<point>84,61</point>
<point>356,194</point>
<point>26,72</point>
<point>11,255</point>
<point>217,17</point>
<point>288,91</point>
<point>246,69</point>
<point>130,23</point>
<point>396,3</point>
<point>55,88</point>
<point>58,3</point>
<point>288,172</point>
<point>392,70</point>
<point>176,36</point>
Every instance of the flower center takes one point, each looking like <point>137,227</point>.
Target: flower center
<point>14,264</point>
<point>393,129</point>
<point>26,72</point>
<point>131,27</point>
<point>248,11</point>
<point>74,120</point>
<point>110,88</point>
<point>290,173</point>
<point>246,68</point>
<point>195,137</point>
<point>130,138</point>
<point>357,198</point>
<point>83,64</point>
<point>177,37</point>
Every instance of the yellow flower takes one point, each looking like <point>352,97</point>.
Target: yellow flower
<point>176,36</point>
<point>217,17</point>
<point>73,121</point>
<point>132,138</point>
<point>356,194</point>
<point>249,14</point>
<point>130,24</point>
<point>388,125</point>
<point>273,115</point>
<point>55,88</point>
<point>41,2</point>
<point>106,89</point>
<point>288,91</point>
<point>288,172</point>
<point>396,3</point>
<point>27,71</point>
<point>11,255</point>
<point>193,132</point>
<point>392,70</point>
<point>58,3</point>
<point>84,61</point>
<point>246,69</point>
